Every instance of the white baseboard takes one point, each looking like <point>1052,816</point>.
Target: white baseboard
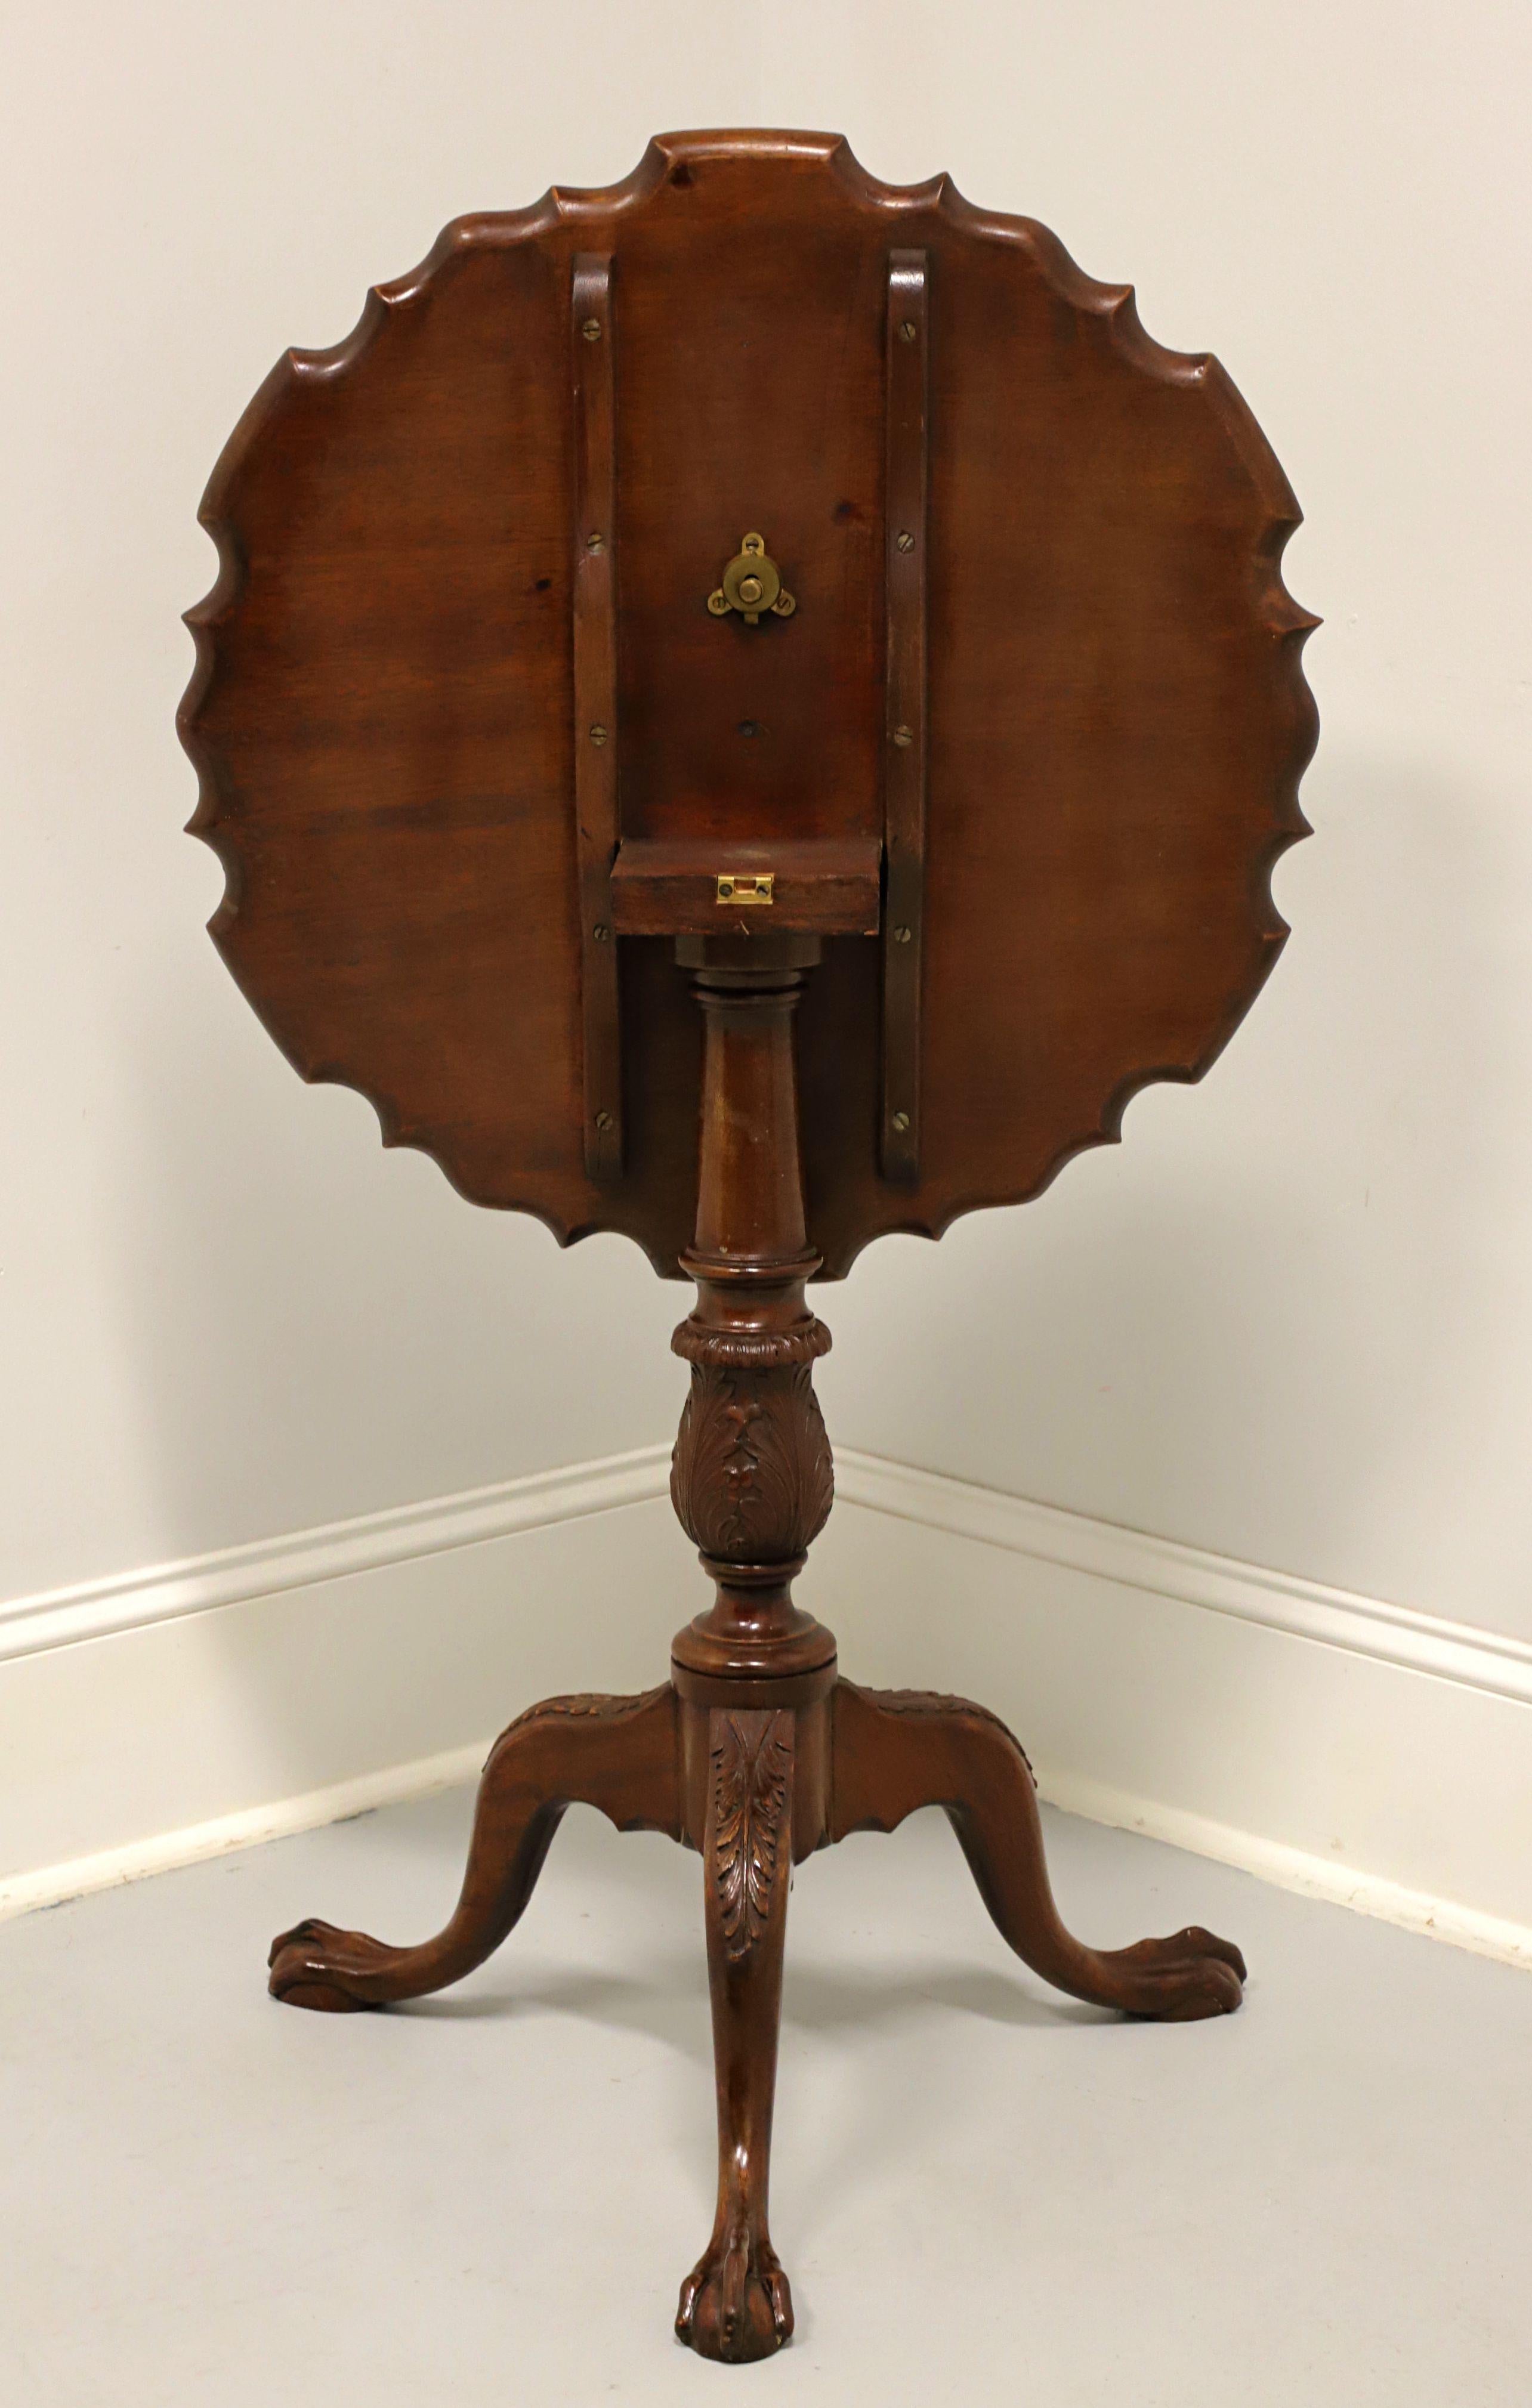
<point>1390,1902</point>
<point>1305,1608</point>
<point>1332,1743</point>
<point>1355,1750</point>
<point>173,1713</point>
<point>303,1559</point>
<point>110,1868</point>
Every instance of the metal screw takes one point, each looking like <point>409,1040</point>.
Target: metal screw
<point>598,734</point>
<point>904,540</point>
<point>601,932</point>
<point>907,330</point>
<point>592,330</point>
<point>603,1121</point>
<point>902,935</point>
<point>901,1121</point>
<point>596,543</point>
<point>902,736</point>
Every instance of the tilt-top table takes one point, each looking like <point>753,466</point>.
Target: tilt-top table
<point>755,587</point>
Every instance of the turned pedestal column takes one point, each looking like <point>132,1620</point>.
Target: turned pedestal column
<point>753,1485</point>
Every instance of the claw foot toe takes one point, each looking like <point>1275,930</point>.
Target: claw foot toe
<point>1182,1979</point>
<point>736,2304</point>
<point>334,1973</point>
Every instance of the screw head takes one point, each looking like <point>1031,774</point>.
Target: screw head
<point>902,935</point>
<point>596,543</point>
<point>598,734</point>
<point>604,1121</point>
<point>901,1121</point>
<point>907,330</point>
<point>904,540</point>
<point>903,737</point>
<point>601,932</point>
<point>592,330</point>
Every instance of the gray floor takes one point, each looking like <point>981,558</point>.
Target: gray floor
<point>983,2193</point>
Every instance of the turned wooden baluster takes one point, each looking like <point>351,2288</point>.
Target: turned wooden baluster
<point>752,1478</point>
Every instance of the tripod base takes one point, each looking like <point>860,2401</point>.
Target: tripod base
<point>756,1774</point>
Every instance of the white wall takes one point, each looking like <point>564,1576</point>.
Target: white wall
<point>1290,1321</point>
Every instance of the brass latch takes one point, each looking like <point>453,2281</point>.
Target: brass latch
<point>752,583</point>
<point>740,887</point>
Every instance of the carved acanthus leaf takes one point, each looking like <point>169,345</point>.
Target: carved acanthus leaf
<point>752,1476</point>
<point>749,1350</point>
<point>935,1702</point>
<point>594,1703</point>
<point>753,1768</point>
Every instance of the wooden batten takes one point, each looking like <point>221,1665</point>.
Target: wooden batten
<point>592,343</point>
<point>907,350</point>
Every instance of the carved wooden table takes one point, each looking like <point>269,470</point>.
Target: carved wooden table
<point>829,590</point>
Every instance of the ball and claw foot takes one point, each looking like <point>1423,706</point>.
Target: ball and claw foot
<point>1180,1980</point>
<point>315,1965</point>
<point>736,2304</point>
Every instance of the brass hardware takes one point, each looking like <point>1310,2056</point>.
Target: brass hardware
<point>601,933</point>
<point>604,1121</point>
<point>747,887</point>
<point>907,330</point>
<point>592,330</point>
<point>901,1121</point>
<point>752,583</point>
<point>904,540</point>
<point>903,737</point>
<point>902,935</point>
<point>596,543</point>
<point>598,734</point>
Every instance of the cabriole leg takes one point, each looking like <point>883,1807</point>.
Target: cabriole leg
<point>736,2304</point>
<point>617,1754</point>
<point>897,1750</point>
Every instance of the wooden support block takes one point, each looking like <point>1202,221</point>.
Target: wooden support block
<point>688,887</point>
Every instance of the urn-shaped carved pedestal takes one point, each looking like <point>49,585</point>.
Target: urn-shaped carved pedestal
<point>751,1479</point>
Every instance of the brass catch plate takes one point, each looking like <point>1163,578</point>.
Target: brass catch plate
<point>672,886</point>
<point>752,583</point>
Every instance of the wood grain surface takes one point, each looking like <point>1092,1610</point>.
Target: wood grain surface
<point>383,712</point>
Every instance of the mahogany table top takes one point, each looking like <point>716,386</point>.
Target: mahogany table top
<point>1108,714</point>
